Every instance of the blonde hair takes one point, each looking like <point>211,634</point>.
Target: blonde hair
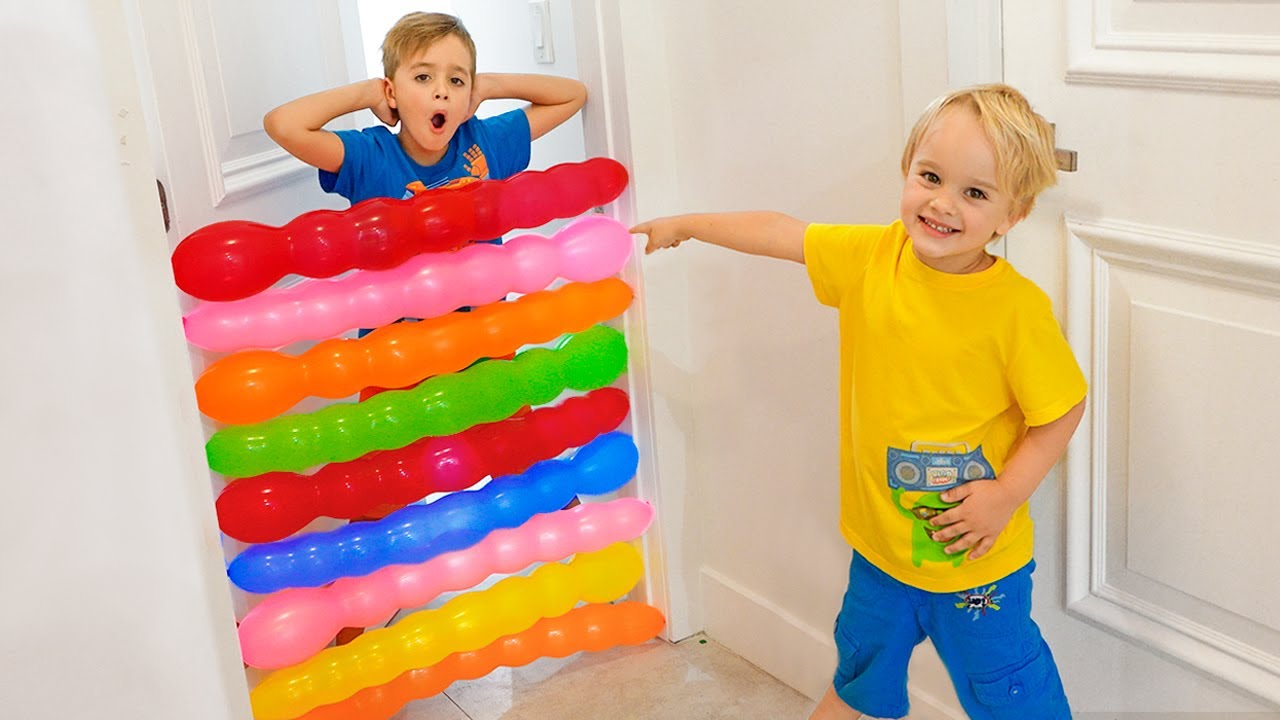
<point>418,31</point>
<point>1021,138</point>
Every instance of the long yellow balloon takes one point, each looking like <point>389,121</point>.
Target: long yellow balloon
<point>467,622</point>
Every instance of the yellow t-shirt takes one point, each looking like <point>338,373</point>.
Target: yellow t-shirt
<point>940,375</point>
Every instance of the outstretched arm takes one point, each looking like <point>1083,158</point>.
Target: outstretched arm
<point>770,234</point>
<point>987,505</point>
<point>552,99</point>
<point>298,126</point>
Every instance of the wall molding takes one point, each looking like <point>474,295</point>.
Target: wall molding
<point>254,173</point>
<point>1195,61</point>
<point>1191,42</point>
<point>203,109</point>
<point>1232,262</point>
<point>1094,247</point>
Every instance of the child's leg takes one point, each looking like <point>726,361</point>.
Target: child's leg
<point>831,707</point>
<point>875,634</point>
<point>999,663</point>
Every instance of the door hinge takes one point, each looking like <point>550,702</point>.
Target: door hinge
<point>164,204</point>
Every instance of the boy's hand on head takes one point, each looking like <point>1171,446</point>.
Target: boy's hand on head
<point>381,109</point>
<point>481,90</point>
<point>662,233</point>
<point>985,508</point>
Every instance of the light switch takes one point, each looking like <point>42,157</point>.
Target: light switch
<point>540,24</point>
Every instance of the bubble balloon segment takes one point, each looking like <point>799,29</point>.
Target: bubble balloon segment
<point>590,628</point>
<point>420,532</point>
<point>256,385</point>
<point>292,625</point>
<point>270,507</point>
<point>588,249</point>
<point>235,259</point>
<point>467,622</point>
<point>486,392</point>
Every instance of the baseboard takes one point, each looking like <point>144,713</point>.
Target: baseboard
<point>767,636</point>
<point>786,647</point>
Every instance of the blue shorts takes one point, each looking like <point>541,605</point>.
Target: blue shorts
<point>1001,667</point>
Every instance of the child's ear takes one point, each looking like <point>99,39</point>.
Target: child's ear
<point>389,92</point>
<point>1013,219</point>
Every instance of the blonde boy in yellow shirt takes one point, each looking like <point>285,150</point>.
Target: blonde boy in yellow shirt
<point>958,393</point>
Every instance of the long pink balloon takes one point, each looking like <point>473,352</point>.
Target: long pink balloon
<point>588,249</point>
<point>292,625</point>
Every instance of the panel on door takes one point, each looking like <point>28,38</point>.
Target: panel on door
<point>1167,271</point>
<point>215,68</point>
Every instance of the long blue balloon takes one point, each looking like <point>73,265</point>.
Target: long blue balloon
<point>420,532</point>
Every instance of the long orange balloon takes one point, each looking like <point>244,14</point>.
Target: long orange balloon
<point>590,628</point>
<point>467,622</point>
<point>256,385</point>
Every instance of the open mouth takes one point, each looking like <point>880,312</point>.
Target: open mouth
<point>437,120</point>
<point>936,227</point>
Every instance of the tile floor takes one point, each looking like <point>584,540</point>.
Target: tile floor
<point>696,679</point>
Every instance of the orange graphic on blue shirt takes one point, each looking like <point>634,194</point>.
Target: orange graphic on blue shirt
<point>476,165</point>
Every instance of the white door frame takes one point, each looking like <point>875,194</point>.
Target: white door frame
<point>967,49</point>
<point>607,132</point>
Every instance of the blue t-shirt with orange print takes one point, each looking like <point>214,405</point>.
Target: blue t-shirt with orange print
<point>374,164</point>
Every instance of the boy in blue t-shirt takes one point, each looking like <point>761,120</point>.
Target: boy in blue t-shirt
<point>432,90</point>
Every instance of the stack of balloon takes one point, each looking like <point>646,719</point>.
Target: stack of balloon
<point>463,415</point>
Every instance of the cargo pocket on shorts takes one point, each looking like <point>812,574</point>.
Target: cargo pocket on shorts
<point>1009,693</point>
<point>846,657</point>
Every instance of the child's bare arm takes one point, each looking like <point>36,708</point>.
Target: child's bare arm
<point>770,234</point>
<point>298,126</point>
<point>552,99</point>
<point>987,505</point>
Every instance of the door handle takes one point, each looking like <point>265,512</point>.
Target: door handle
<point>1065,159</point>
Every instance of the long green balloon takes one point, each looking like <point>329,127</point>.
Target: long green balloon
<point>443,405</point>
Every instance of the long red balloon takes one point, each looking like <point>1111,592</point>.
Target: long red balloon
<point>234,259</point>
<point>275,505</point>
<point>590,627</point>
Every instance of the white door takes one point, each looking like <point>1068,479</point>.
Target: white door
<point>1157,586</point>
<point>208,72</point>
<point>213,69</point>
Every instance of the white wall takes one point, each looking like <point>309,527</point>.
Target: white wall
<point>113,603</point>
<point>501,30</point>
<point>751,107</point>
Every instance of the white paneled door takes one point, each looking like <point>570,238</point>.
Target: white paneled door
<point>211,70</point>
<point>1157,586</point>
<point>208,71</point>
